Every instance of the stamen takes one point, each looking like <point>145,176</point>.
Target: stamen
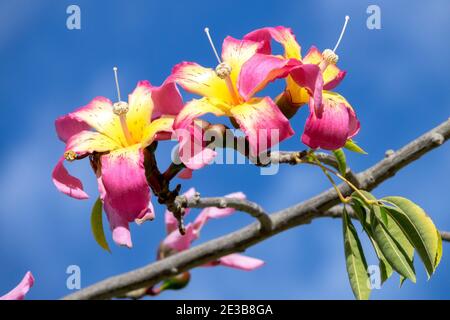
<point>330,56</point>
<point>223,70</point>
<point>342,33</point>
<point>121,108</point>
<point>212,45</point>
<point>117,83</point>
<point>70,155</point>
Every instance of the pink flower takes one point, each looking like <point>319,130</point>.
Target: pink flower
<point>114,138</point>
<point>224,94</point>
<point>332,120</point>
<point>19,292</point>
<point>175,242</point>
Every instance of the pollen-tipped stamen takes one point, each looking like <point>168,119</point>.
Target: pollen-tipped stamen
<point>330,56</point>
<point>120,108</point>
<point>70,155</point>
<point>223,70</point>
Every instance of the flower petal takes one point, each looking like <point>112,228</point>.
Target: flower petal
<point>236,52</point>
<point>238,261</point>
<point>261,69</point>
<point>160,125</point>
<point>309,77</point>
<point>66,183</point>
<point>330,126</point>
<point>140,109</point>
<point>282,35</point>
<point>19,292</point>
<point>126,188</point>
<point>86,142</point>
<point>148,215</point>
<point>193,151</point>
<point>98,114</point>
<point>198,107</point>
<point>176,241</point>
<point>199,80</point>
<point>68,125</point>
<point>167,100</point>
<point>185,174</point>
<point>332,75</point>
<point>263,124</point>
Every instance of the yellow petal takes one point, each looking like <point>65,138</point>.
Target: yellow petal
<point>89,141</point>
<point>140,110</point>
<point>99,115</point>
<point>198,107</point>
<point>162,124</point>
<point>202,81</point>
<point>314,56</point>
<point>297,94</point>
<point>236,53</point>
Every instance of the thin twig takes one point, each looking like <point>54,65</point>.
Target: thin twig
<point>244,205</point>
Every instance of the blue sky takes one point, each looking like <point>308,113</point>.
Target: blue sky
<point>397,82</point>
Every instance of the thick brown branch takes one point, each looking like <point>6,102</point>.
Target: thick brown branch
<point>239,240</point>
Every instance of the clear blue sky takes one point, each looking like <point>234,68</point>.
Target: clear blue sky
<point>397,81</point>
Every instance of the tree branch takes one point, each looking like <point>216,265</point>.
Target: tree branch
<point>244,205</point>
<point>239,240</point>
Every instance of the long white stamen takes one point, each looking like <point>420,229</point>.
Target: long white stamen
<point>120,108</point>
<point>117,83</point>
<point>342,33</point>
<point>212,45</point>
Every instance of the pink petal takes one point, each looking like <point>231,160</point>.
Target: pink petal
<point>261,69</point>
<point>147,215</point>
<point>166,99</point>
<point>330,85</point>
<point>309,77</point>
<point>185,174</point>
<point>263,124</point>
<point>192,147</point>
<point>66,183</point>
<point>329,128</point>
<point>280,34</point>
<point>97,115</point>
<point>176,241</point>
<point>236,52</point>
<point>127,195</point>
<point>19,292</point>
<point>170,220</point>
<point>238,261</point>
<point>69,125</point>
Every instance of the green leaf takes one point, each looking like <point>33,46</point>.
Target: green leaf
<point>97,225</point>
<point>394,246</point>
<point>352,146</point>
<point>341,160</point>
<point>362,211</point>
<point>419,228</point>
<point>355,260</point>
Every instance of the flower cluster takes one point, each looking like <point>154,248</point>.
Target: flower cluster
<point>120,137</point>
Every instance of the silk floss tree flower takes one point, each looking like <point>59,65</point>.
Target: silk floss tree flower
<point>19,292</point>
<point>332,120</point>
<point>259,118</point>
<point>176,242</point>
<point>114,136</point>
